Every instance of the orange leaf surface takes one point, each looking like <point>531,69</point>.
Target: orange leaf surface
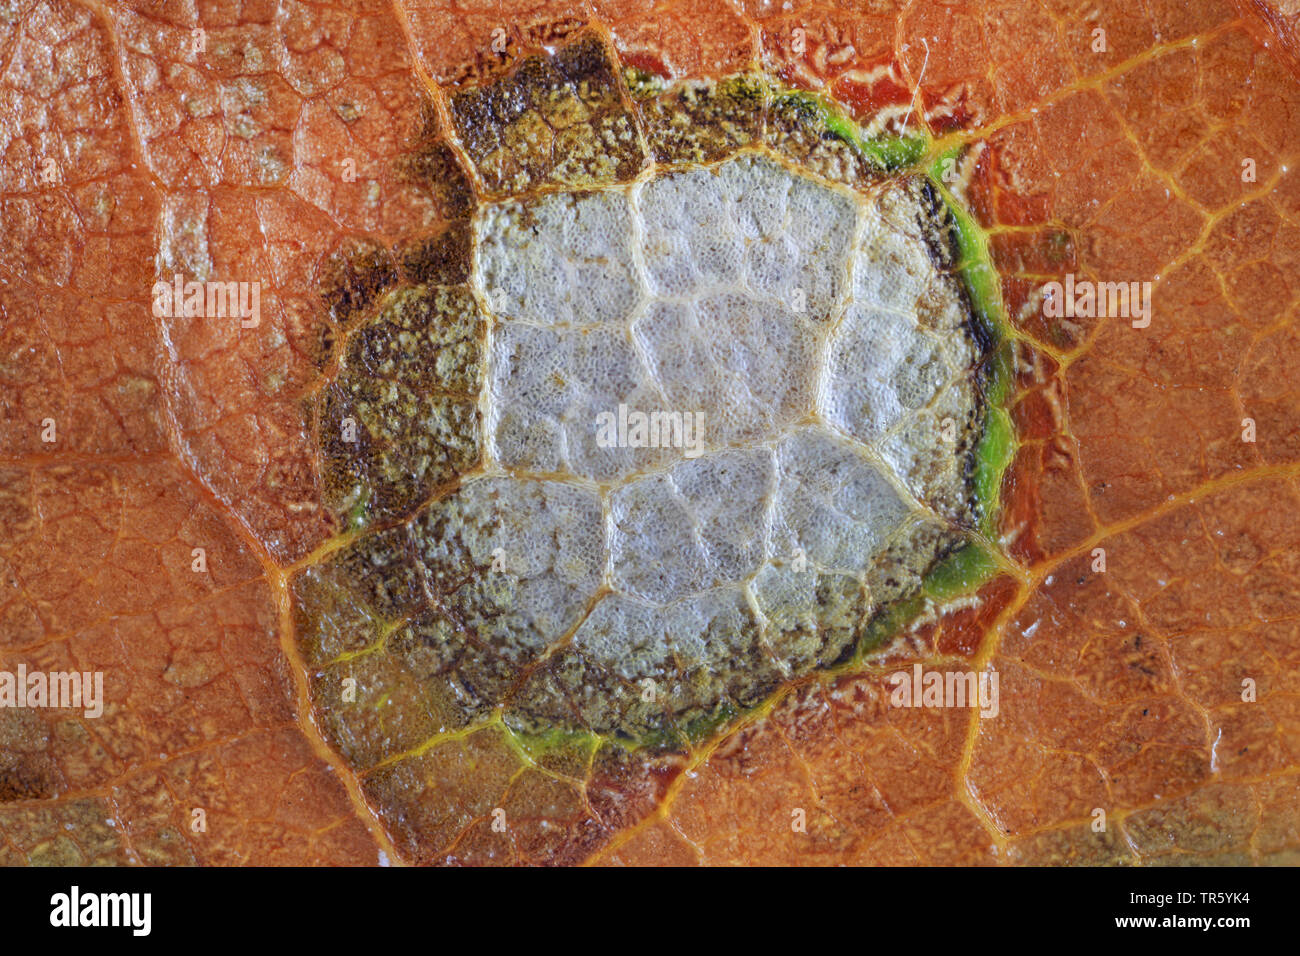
<point>1120,690</point>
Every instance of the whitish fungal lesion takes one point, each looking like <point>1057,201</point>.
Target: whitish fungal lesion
<point>726,249</point>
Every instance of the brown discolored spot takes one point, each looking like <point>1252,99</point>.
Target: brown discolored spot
<point>353,278</point>
<point>795,125</point>
<point>554,119</point>
<point>434,166</point>
<point>440,259</point>
<point>704,121</point>
<point>27,777</point>
<point>401,419</point>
